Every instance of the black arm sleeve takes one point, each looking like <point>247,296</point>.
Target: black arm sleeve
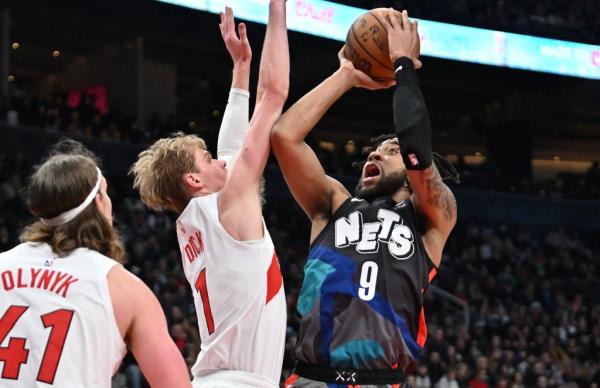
<point>411,119</point>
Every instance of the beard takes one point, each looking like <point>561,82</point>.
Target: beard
<point>387,186</point>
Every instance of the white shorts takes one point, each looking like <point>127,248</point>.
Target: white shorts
<point>232,379</point>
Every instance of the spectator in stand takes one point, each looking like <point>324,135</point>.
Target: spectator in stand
<point>422,379</point>
<point>448,380</point>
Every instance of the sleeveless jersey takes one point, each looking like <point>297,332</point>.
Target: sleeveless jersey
<point>57,325</point>
<point>238,294</point>
<point>361,303</point>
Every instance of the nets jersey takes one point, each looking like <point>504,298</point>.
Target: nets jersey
<point>57,325</point>
<point>238,294</point>
<point>361,300</point>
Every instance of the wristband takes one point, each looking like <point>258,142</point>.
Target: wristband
<point>404,71</point>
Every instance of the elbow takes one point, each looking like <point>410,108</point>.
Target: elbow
<point>282,136</point>
<point>279,95</point>
<point>274,94</point>
<point>277,133</point>
<point>274,87</point>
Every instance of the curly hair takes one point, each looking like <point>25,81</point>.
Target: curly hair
<point>444,166</point>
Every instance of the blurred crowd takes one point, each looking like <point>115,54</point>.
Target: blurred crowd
<point>533,315</point>
<point>55,114</point>
<point>533,308</point>
<point>562,19</point>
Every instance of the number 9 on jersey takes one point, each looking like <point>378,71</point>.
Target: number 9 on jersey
<point>368,280</point>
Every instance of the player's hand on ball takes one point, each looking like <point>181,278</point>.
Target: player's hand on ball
<point>238,47</point>
<point>359,78</point>
<point>403,38</point>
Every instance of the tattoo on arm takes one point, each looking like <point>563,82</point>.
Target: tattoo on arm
<point>438,194</point>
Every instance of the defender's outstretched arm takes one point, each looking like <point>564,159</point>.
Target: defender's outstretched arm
<point>241,192</point>
<point>235,118</point>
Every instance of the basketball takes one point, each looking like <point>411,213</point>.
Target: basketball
<point>367,44</point>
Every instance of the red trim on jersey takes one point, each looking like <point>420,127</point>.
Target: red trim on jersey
<point>422,334</point>
<point>202,289</point>
<point>395,366</point>
<point>274,279</point>
<point>432,274</point>
<point>289,383</point>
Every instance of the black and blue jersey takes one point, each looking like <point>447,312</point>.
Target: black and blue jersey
<point>361,303</point>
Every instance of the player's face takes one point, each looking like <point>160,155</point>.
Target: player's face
<point>212,172</point>
<point>103,202</point>
<point>384,172</point>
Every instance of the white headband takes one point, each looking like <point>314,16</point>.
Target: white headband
<point>67,216</point>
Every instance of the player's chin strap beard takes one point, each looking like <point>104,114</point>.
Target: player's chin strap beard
<point>68,215</point>
<point>387,186</point>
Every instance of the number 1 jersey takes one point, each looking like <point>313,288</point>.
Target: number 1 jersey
<point>238,294</point>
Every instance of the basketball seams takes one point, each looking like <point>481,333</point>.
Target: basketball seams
<point>382,26</point>
<point>367,52</point>
<point>378,20</point>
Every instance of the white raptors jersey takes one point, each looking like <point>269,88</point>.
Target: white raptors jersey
<point>57,325</point>
<point>238,293</point>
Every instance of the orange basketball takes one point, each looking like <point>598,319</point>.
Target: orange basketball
<point>367,44</point>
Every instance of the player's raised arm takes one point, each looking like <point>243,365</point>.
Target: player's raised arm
<point>143,324</point>
<point>413,128</point>
<point>314,191</point>
<point>272,92</point>
<point>235,118</point>
<point>274,71</point>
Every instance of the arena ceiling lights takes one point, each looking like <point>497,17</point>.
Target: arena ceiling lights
<point>441,40</point>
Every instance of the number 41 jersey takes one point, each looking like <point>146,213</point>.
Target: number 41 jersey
<point>361,303</point>
<point>57,324</point>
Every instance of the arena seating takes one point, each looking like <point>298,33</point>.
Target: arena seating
<point>533,307</point>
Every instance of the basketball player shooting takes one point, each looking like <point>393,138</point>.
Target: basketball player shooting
<point>227,253</point>
<point>372,255</point>
<point>68,308</point>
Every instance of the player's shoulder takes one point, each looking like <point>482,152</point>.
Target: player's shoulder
<point>198,202</point>
<point>19,249</point>
<point>95,261</point>
<point>196,209</point>
<point>10,253</point>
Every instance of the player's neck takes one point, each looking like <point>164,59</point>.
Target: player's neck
<point>401,195</point>
<point>203,192</point>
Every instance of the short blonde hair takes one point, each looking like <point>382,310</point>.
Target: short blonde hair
<point>158,172</point>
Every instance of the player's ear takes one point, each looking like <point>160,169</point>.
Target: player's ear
<point>98,201</point>
<point>192,181</point>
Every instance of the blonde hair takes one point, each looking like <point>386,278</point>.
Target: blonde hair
<point>61,183</point>
<point>158,172</point>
